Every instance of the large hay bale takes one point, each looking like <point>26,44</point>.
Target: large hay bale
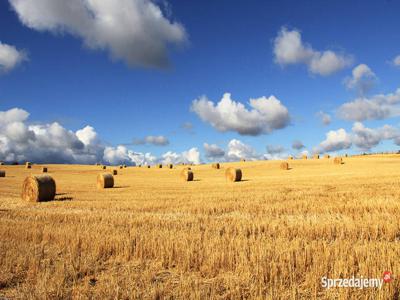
<point>121,166</point>
<point>44,170</point>
<point>105,181</point>
<point>124,166</point>
<point>233,174</point>
<point>304,156</point>
<point>2,173</point>
<point>216,165</point>
<point>103,167</point>
<point>148,166</point>
<point>284,166</point>
<point>187,174</point>
<point>316,156</point>
<point>28,165</point>
<point>327,156</point>
<point>115,172</point>
<point>290,157</point>
<point>170,166</point>
<point>1,163</point>
<point>338,161</point>
<point>38,188</point>
<point>159,166</point>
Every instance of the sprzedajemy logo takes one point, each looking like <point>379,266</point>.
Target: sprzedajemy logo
<point>356,282</point>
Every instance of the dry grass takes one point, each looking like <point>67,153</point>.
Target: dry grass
<point>154,236</point>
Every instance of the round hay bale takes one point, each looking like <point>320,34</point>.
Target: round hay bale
<point>304,156</point>
<point>284,166</point>
<point>170,166</point>
<point>290,157</point>
<point>28,165</point>
<point>338,161</point>
<point>148,167</point>
<point>159,166</point>
<point>233,174</point>
<point>115,172</point>
<point>97,164</point>
<point>124,166</point>
<point>216,165</point>
<point>103,167</point>
<point>327,156</point>
<point>38,188</point>
<point>44,170</point>
<point>1,163</point>
<point>243,159</point>
<point>105,181</point>
<point>2,173</point>
<point>187,168</point>
<point>121,166</point>
<point>316,156</point>
<point>187,174</point>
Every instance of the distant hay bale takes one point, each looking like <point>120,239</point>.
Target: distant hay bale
<point>290,157</point>
<point>148,166</point>
<point>327,156</point>
<point>284,166</point>
<point>215,166</point>
<point>103,167</point>
<point>242,159</point>
<point>44,170</point>
<point>316,156</point>
<point>159,166</point>
<point>28,165</point>
<point>187,174</point>
<point>97,164</point>
<point>2,173</point>
<point>338,161</point>
<point>121,166</point>
<point>105,181</point>
<point>1,163</point>
<point>346,155</point>
<point>233,174</point>
<point>170,166</point>
<point>187,168</point>
<point>304,156</point>
<point>38,188</point>
<point>115,172</point>
<point>139,166</point>
<point>124,166</point>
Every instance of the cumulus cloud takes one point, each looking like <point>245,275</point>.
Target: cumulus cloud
<point>237,150</point>
<point>335,141</point>
<point>152,140</point>
<point>52,143</point>
<point>10,57</point>
<point>324,117</point>
<point>298,145</point>
<point>134,31</point>
<point>213,151</point>
<point>275,149</point>
<point>377,107</point>
<point>190,156</point>
<point>362,137</point>
<point>396,61</point>
<point>362,79</point>
<point>264,116</point>
<point>290,49</point>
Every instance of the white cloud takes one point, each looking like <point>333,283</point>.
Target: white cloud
<point>367,138</point>
<point>335,141</point>
<point>396,61</point>
<point>237,150</point>
<point>10,57</point>
<point>190,156</point>
<point>290,49</point>
<point>265,115</point>
<point>152,140</point>
<point>377,107</point>
<point>52,143</point>
<point>324,117</point>
<point>213,151</point>
<point>362,79</point>
<point>134,31</point>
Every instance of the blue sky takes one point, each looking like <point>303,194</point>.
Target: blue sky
<point>226,48</point>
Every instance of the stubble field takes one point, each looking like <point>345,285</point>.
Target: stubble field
<point>154,236</point>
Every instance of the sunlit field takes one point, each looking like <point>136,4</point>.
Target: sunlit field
<point>154,236</point>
